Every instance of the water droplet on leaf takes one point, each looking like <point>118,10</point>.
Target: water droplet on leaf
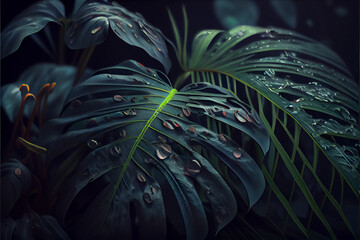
<point>141,177</point>
<point>18,172</point>
<point>186,112</point>
<point>147,198</point>
<point>237,153</point>
<point>168,125</point>
<point>192,168</point>
<point>118,98</point>
<point>161,154</point>
<point>115,151</point>
<point>96,30</point>
<point>92,144</point>
<point>239,117</point>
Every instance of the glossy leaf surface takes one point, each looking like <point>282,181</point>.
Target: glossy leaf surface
<point>30,21</point>
<point>286,74</point>
<point>90,26</point>
<point>136,137</point>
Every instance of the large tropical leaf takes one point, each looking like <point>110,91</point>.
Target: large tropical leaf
<point>286,74</point>
<point>30,21</point>
<point>123,159</point>
<point>90,24</point>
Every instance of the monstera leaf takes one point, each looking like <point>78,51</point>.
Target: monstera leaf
<point>298,86</point>
<point>90,25</point>
<point>30,21</point>
<point>123,156</point>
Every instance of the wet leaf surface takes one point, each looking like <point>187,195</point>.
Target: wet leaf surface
<point>127,173</point>
<point>90,26</point>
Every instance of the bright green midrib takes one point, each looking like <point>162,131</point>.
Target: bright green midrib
<point>141,135</point>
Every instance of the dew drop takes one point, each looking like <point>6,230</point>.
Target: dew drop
<point>96,30</point>
<point>237,153</point>
<point>123,133</point>
<point>135,35</point>
<point>92,144</point>
<point>239,117</point>
<point>118,98</point>
<point>147,198</point>
<point>166,147</point>
<point>192,168</point>
<point>129,25</point>
<point>161,154</point>
<point>141,177</point>
<point>186,112</point>
<point>223,113</point>
<point>176,124</point>
<point>18,172</point>
<point>133,99</point>
<point>159,50</point>
<point>115,151</point>
<point>168,125</point>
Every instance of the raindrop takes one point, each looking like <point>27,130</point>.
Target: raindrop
<point>147,198</point>
<point>135,36</point>
<point>123,133</point>
<point>96,30</point>
<point>115,151</point>
<point>149,71</point>
<point>186,112</point>
<point>141,177</point>
<point>239,117</point>
<point>162,154</point>
<point>237,153</point>
<point>192,168</point>
<point>272,33</point>
<point>18,172</point>
<point>133,99</point>
<point>92,123</point>
<point>222,137</point>
<point>223,113</point>
<point>118,98</point>
<point>92,144</point>
<point>132,111</point>
<point>129,25</point>
<point>168,125</point>
<point>166,147</point>
<point>159,50</point>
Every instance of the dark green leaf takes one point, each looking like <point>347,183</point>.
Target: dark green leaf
<point>30,21</point>
<point>90,25</point>
<point>133,124</point>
